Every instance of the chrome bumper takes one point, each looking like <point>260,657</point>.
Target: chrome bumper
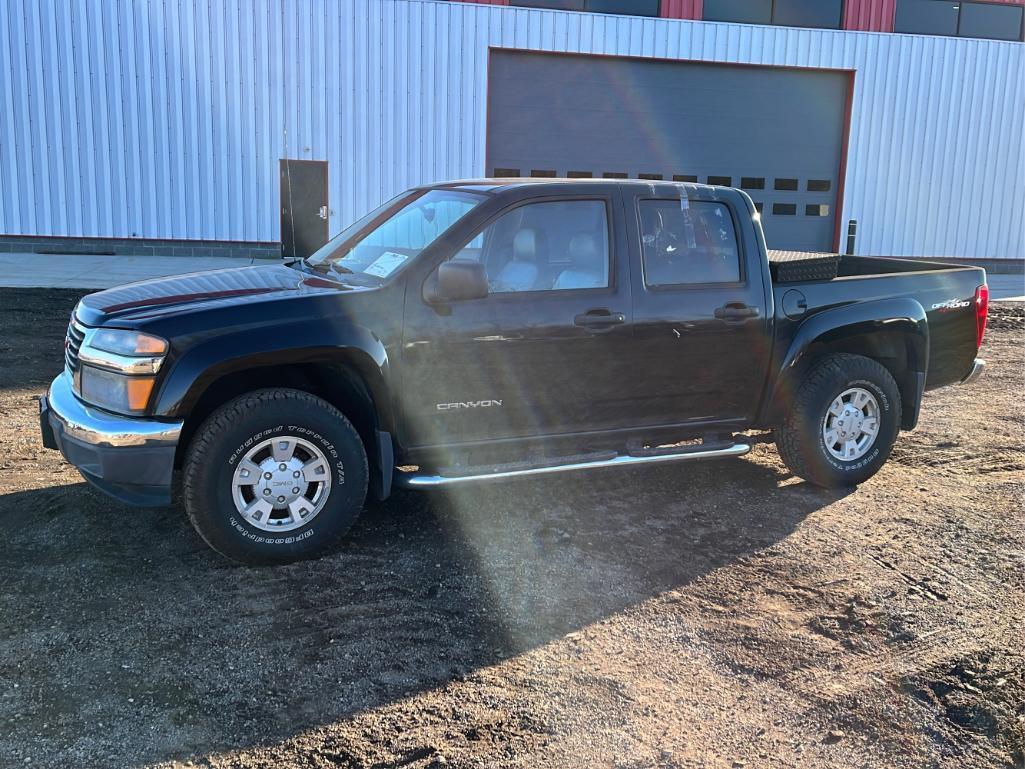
<point>978,366</point>
<point>94,427</point>
<point>128,458</point>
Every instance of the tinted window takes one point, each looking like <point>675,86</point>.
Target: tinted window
<point>926,17</point>
<point>628,7</point>
<point>808,13</point>
<point>560,5</point>
<point>558,245</point>
<point>998,22</point>
<point>688,242</point>
<point>745,11</point>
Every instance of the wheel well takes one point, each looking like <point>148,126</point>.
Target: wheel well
<point>891,349</point>
<point>338,384</point>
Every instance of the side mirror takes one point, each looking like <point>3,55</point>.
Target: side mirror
<point>459,280</point>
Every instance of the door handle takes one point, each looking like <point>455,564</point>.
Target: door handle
<point>735,312</point>
<point>600,320</point>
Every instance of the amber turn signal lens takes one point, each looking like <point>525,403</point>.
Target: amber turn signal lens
<point>139,390</point>
<point>149,345</point>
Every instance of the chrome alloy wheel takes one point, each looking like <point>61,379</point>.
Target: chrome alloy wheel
<point>851,424</point>
<point>281,484</point>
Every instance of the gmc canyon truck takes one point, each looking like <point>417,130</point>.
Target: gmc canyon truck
<point>492,329</point>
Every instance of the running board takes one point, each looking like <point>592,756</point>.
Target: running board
<point>415,480</point>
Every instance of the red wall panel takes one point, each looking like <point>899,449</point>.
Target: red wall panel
<point>683,9</point>
<point>869,15</point>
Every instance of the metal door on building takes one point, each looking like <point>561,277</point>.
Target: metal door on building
<point>776,132</point>
<point>304,206</point>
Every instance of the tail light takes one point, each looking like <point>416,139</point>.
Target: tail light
<point>981,312</point>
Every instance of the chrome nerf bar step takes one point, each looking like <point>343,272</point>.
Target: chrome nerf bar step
<point>417,480</point>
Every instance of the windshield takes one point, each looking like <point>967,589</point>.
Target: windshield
<point>395,233</point>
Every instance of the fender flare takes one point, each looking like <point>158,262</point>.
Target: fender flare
<point>901,315</point>
<point>204,363</point>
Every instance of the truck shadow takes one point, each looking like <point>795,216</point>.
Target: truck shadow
<point>121,623</point>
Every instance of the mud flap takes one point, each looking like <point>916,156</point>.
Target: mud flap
<point>385,467</point>
<point>911,401</point>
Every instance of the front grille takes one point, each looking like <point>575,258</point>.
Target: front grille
<point>73,343</point>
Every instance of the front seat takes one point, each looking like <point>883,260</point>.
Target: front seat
<point>586,269</point>
<point>520,272</point>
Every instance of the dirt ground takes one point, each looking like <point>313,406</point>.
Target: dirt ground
<point>719,614</point>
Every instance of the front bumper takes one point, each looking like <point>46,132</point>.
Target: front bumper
<point>129,458</point>
<point>978,366</point>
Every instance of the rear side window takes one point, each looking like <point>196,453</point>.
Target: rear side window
<point>688,242</point>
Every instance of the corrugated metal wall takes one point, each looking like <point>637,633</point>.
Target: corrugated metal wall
<point>166,120</point>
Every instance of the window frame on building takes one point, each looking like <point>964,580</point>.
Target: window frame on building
<point>647,8</point>
<point>903,24</point>
<point>772,17</point>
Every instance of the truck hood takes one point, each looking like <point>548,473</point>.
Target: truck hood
<point>151,299</point>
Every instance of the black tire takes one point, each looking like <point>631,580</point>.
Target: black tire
<point>800,440</point>
<point>223,440</point>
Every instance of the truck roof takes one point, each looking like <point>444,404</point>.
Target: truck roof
<point>491,184</point>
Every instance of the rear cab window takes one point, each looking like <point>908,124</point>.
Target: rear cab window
<point>687,243</point>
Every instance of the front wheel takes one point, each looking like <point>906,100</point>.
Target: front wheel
<point>843,423</point>
<point>275,476</point>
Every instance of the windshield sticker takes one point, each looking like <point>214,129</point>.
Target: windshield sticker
<point>385,264</point>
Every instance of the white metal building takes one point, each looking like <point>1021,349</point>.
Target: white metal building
<point>168,123</point>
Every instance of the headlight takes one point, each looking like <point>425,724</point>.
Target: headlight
<point>122,342</point>
<point>117,368</point>
<point>115,392</point>
<point>126,352</point>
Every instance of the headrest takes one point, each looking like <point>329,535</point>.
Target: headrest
<point>583,250</point>
<point>525,245</point>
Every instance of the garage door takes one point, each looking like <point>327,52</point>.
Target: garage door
<point>775,132</point>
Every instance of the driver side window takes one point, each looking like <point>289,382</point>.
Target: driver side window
<point>547,246</point>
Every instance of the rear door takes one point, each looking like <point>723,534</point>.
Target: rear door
<point>544,353</point>
<point>700,329</point>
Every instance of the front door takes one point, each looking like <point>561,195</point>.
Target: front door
<point>304,209</point>
<point>545,352</point>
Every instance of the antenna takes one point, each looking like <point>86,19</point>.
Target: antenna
<point>288,177</point>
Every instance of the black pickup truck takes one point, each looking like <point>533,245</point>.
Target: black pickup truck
<point>492,329</point>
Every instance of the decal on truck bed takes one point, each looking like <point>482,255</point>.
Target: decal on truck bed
<point>951,304</point>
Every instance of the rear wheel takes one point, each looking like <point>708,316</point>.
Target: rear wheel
<point>275,476</point>
<point>844,421</point>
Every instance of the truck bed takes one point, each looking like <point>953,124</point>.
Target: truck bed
<point>810,266</point>
<point>946,293</point>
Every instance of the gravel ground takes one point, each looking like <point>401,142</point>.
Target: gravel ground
<point>718,614</point>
